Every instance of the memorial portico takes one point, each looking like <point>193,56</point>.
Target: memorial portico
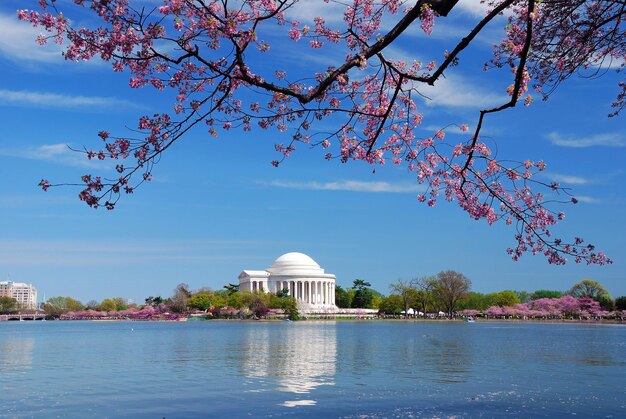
<point>299,275</point>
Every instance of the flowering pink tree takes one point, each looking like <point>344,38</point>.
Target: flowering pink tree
<point>212,56</point>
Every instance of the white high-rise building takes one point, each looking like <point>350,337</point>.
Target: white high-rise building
<point>24,294</point>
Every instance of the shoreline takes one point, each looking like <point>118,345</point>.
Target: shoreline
<point>382,320</point>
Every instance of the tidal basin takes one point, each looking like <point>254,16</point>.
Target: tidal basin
<point>353,369</point>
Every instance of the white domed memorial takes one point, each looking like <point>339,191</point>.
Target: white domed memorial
<point>297,273</point>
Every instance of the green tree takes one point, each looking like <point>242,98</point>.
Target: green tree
<point>201,301</point>
<point>235,299</point>
<point>360,284</point>
<point>546,294</point>
<point>108,304</point>
<point>154,301</point>
<point>590,288</point>
<point>231,288</point>
<point>593,289</point>
<point>288,304</point>
<point>120,303</point>
<point>476,301</point>
<point>56,306</point>
<point>451,288</point>
<point>343,298</point>
<point>363,295</point>
<point>523,296</point>
<point>8,305</point>
<point>283,293</point>
<point>503,298</point>
<point>393,304</point>
<point>376,299</point>
<point>620,303</point>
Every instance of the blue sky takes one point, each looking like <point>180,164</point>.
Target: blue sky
<point>216,205</point>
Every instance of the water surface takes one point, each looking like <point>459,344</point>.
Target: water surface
<point>311,369</point>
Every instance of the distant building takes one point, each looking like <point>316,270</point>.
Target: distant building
<point>297,274</point>
<point>24,294</point>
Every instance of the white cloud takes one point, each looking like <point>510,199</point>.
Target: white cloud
<point>307,10</point>
<point>17,42</point>
<point>350,185</point>
<point>55,100</point>
<point>474,7</point>
<point>572,180</point>
<point>457,92</point>
<point>454,90</point>
<point>57,153</point>
<point>588,199</point>
<point>606,140</point>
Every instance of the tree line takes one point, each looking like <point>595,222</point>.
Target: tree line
<point>451,292</point>
<point>448,292</point>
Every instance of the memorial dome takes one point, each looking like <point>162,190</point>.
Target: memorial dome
<point>294,263</point>
<point>298,275</point>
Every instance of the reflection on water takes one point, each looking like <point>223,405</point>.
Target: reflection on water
<point>16,353</point>
<point>297,358</point>
<point>450,358</point>
<point>311,369</point>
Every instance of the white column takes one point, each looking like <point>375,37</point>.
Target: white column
<point>321,293</point>
<point>327,299</point>
<point>317,292</point>
<point>325,292</point>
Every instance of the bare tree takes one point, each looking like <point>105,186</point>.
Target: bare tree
<point>425,286</point>
<point>450,288</point>
<point>407,290</point>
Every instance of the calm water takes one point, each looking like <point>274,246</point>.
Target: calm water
<point>311,369</point>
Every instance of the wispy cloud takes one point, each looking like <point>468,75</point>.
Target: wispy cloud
<point>588,199</point>
<point>477,8</point>
<point>605,140</point>
<point>306,11</point>
<point>17,42</point>
<point>55,100</point>
<point>583,180</point>
<point>474,7</point>
<point>457,92</point>
<point>350,185</point>
<point>454,90</point>
<point>571,180</point>
<point>57,153</point>
<point>80,253</point>
<point>30,201</point>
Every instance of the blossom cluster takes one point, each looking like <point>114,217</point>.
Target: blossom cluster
<point>566,306</point>
<point>201,52</point>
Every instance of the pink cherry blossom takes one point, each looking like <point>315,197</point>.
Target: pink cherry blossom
<point>208,58</point>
